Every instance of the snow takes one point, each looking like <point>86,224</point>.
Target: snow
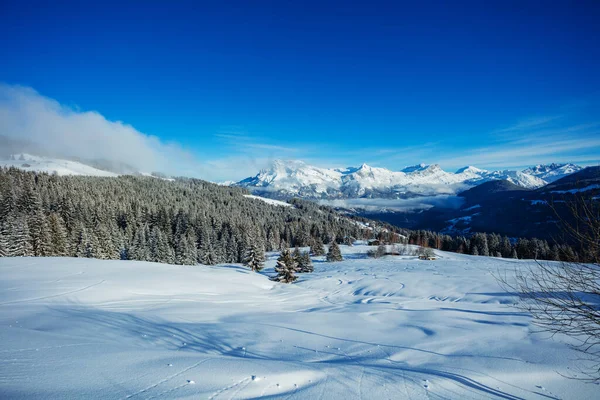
<point>538,202</point>
<point>552,172</point>
<point>268,201</point>
<point>30,162</point>
<point>394,327</point>
<point>298,178</point>
<point>572,191</point>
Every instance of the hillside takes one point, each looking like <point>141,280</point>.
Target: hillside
<point>28,162</point>
<point>394,327</point>
<point>507,209</point>
<point>141,218</point>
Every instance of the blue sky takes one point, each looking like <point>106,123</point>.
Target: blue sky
<point>228,86</point>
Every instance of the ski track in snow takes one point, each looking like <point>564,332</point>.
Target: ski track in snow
<point>183,371</point>
<point>53,296</point>
<point>394,327</point>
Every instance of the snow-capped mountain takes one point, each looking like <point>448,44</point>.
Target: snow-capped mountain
<point>30,162</point>
<point>286,178</point>
<point>552,172</point>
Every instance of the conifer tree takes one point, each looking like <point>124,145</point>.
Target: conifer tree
<point>285,268</point>
<point>296,255</point>
<point>305,263</point>
<point>19,238</point>
<point>316,247</point>
<point>4,240</point>
<point>40,234</point>
<point>187,253</point>
<point>58,235</point>
<point>334,254</point>
<point>255,258</point>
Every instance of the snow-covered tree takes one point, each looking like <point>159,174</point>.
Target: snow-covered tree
<point>58,235</point>
<point>286,268</point>
<point>316,247</point>
<point>305,263</point>
<point>255,258</point>
<point>334,254</point>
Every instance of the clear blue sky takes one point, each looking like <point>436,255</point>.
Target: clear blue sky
<point>335,83</point>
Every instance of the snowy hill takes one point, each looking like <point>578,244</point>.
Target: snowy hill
<point>394,327</point>
<point>30,162</point>
<point>296,178</point>
<point>552,172</point>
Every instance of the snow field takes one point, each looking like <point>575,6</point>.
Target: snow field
<point>394,327</point>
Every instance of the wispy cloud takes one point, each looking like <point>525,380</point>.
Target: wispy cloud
<point>531,143</point>
<point>529,124</point>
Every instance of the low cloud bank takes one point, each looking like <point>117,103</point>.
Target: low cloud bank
<point>398,205</point>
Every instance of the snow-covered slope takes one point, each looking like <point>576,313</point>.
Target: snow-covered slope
<point>295,178</point>
<point>30,162</point>
<point>552,172</point>
<point>268,201</point>
<point>394,327</point>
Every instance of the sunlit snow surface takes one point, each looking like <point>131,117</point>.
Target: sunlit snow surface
<point>29,162</point>
<point>391,328</point>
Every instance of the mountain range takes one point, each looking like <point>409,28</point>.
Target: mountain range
<point>290,178</point>
<point>505,208</point>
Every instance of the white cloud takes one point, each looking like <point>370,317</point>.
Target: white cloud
<point>66,131</point>
<point>401,205</point>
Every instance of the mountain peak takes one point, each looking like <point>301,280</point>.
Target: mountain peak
<point>470,168</point>
<point>552,172</point>
<point>413,168</point>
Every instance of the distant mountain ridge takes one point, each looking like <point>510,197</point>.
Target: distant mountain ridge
<point>552,172</point>
<point>291,178</point>
<point>505,208</point>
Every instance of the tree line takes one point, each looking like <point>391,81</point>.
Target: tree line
<point>494,245</point>
<point>186,221</point>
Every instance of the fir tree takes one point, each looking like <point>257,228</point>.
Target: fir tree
<point>296,255</point>
<point>334,254</point>
<point>255,258</point>
<point>19,238</point>
<point>316,247</point>
<point>58,235</point>
<point>187,252</point>
<point>285,268</point>
<point>305,263</point>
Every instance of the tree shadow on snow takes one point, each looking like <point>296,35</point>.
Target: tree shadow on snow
<point>120,327</point>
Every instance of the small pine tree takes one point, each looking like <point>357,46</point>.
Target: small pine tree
<point>305,263</point>
<point>316,247</point>
<point>334,254</point>
<point>296,254</point>
<point>255,258</point>
<point>285,268</point>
